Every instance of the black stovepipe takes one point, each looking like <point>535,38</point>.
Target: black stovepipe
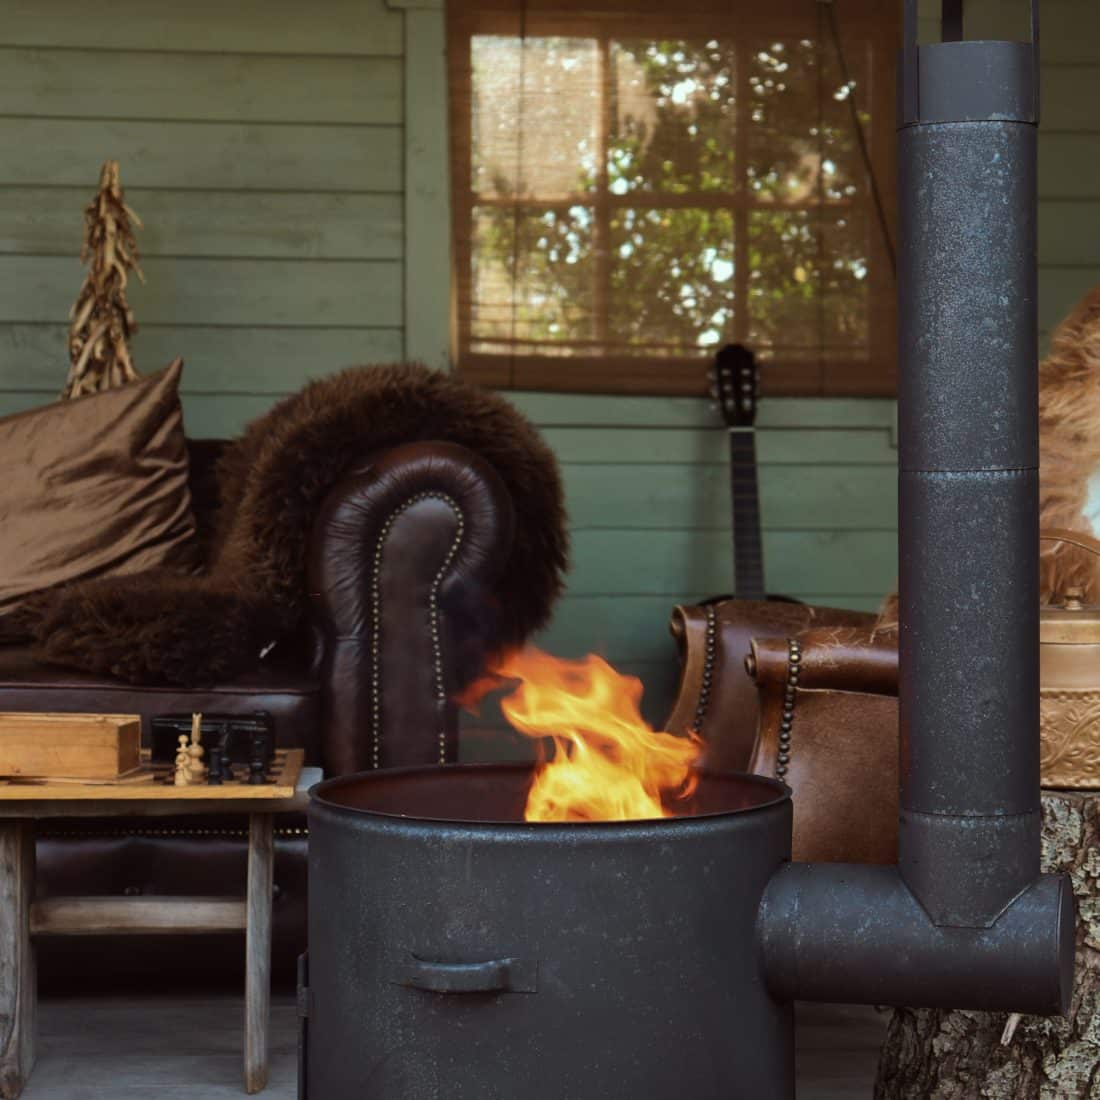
<point>965,919</point>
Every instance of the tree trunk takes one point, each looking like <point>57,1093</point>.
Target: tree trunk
<point>938,1055</point>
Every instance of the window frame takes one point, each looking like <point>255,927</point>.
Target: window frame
<point>863,23</point>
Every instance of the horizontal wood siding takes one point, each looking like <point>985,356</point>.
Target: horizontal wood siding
<point>253,156</point>
<point>261,142</point>
<point>210,87</point>
<point>283,225</point>
<point>327,27</point>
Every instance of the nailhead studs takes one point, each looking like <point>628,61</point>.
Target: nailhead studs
<point>433,621</point>
<point>710,653</point>
<point>786,724</point>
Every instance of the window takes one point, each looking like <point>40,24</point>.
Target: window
<point>631,192</point>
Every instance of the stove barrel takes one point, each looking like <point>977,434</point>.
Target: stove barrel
<point>457,952</point>
<point>965,920</point>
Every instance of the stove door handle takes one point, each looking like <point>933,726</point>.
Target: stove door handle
<point>508,975</point>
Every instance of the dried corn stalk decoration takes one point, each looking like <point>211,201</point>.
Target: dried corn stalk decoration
<point>101,322</point>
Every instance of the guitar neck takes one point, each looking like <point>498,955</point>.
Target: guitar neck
<point>748,550</point>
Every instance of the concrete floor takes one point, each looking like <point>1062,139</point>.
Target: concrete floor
<point>189,1048</point>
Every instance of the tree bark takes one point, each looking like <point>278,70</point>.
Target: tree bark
<point>939,1055</point>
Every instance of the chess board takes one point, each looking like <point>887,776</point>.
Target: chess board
<point>155,781</point>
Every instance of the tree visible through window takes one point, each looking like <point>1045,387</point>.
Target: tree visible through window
<point>626,202</point>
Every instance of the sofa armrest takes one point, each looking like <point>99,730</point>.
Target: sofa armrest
<point>832,659</point>
<point>403,560</point>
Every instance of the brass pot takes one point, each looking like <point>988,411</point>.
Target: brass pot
<point>1069,678</point>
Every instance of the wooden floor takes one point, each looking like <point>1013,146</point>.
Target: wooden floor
<point>190,1049</point>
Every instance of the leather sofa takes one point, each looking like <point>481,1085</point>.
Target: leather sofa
<point>368,683</point>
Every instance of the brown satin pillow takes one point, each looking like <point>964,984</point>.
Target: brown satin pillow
<point>93,487</point>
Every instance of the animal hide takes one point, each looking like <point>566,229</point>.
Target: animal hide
<point>1069,454</point>
<point>1069,446</point>
<point>159,627</point>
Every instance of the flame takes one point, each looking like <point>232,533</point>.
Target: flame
<point>607,764</point>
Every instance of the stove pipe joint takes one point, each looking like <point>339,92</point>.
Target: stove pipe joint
<point>965,919</point>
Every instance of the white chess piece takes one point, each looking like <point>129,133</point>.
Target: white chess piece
<point>198,768</point>
<point>182,776</point>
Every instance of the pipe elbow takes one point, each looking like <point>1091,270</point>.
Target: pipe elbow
<point>855,934</point>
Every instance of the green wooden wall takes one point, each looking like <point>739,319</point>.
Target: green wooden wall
<point>289,161</point>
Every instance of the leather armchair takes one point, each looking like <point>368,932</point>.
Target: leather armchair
<point>806,694</point>
<point>829,703</point>
<point>402,555</point>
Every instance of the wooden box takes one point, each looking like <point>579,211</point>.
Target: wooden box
<point>69,746</point>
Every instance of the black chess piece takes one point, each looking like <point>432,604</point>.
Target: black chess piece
<point>221,763</point>
<point>259,750</point>
<point>214,768</point>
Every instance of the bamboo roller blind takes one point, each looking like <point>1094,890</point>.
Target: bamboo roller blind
<point>637,184</point>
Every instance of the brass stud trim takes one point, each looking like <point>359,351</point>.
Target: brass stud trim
<point>790,695</point>
<point>710,656</point>
<point>434,622</point>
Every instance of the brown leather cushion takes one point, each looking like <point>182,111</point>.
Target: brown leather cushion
<point>92,487</point>
<point>291,697</point>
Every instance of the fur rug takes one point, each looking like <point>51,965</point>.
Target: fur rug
<point>161,628</point>
<point>1069,445</point>
<point>1069,454</point>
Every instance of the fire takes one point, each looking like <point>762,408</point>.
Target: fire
<point>607,763</point>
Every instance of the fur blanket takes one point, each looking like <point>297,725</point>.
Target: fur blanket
<point>162,628</point>
<point>1069,446</point>
<point>1069,453</point>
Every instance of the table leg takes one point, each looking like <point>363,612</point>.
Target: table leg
<point>257,989</point>
<point>18,992</point>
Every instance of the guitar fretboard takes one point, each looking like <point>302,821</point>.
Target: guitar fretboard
<point>748,551</point>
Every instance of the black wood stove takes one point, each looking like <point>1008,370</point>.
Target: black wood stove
<point>457,952</point>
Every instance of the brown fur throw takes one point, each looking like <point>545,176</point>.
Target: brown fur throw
<point>156,628</point>
<point>1069,445</point>
<point>1069,453</point>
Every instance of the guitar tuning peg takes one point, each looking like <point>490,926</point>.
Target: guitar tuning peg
<point>713,406</point>
<point>712,389</point>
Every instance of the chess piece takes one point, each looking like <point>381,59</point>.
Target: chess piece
<point>214,772</point>
<point>198,769</point>
<point>184,760</point>
<point>221,766</point>
<point>259,749</point>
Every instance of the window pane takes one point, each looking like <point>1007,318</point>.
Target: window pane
<point>672,116</point>
<point>671,280</point>
<point>542,142</point>
<point>808,283</point>
<point>552,262</point>
<point>800,122</point>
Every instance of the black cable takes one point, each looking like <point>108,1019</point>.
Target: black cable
<point>516,188</point>
<point>821,259</point>
<point>861,138</point>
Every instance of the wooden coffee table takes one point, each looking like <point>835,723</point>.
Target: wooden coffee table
<point>22,918</point>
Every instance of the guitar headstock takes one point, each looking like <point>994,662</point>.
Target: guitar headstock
<point>735,381</point>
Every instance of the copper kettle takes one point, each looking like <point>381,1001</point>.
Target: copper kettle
<point>1069,678</point>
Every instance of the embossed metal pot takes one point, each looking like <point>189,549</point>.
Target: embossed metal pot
<point>1069,677</point>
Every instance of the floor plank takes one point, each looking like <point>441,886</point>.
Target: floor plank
<point>189,1048</point>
